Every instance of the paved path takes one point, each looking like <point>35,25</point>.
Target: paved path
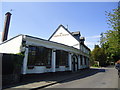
<point>105,78</point>
<point>46,79</point>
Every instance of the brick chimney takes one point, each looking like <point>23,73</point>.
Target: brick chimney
<point>6,26</point>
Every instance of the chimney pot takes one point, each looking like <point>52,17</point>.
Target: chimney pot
<point>82,39</point>
<point>8,13</point>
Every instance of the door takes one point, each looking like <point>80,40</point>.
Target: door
<point>74,63</point>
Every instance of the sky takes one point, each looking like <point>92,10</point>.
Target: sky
<point>41,19</point>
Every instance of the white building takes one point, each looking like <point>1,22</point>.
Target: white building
<point>64,51</point>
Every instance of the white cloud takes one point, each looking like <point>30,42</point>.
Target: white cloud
<point>91,41</point>
<point>88,43</point>
<point>91,44</point>
<point>96,36</point>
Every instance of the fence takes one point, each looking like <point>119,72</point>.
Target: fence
<point>11,68</point>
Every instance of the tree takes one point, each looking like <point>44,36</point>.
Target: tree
<point>110,41</point>
<point>98,54</point>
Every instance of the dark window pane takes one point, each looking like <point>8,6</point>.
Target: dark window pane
<point>31,55</point>
<point>81,59</point>
<point>39,56</point>
<point>85,60</point>
<point>61,58</point>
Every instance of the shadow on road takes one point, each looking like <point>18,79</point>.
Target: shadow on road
<point>60,77</point>
<point>92,72</point>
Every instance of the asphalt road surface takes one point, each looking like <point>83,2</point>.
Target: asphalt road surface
<point>105,78</point>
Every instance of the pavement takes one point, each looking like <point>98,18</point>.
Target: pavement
<point>39,81</point>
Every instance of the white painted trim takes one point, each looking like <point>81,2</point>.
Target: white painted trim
<point>70,62</point>
<point>25,62</point>
<point>76,64</point>
<point>79,61</point>
<point>48,44</point>
<point>53,60</point>
<point>83,61</point>
<point>37,69</point>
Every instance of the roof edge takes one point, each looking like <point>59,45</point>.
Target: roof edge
<point>65,29</point>
<point>56,31</point>
<point>11,39</point>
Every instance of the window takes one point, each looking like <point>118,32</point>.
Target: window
<point>85,60</point>
<point>61,58</point>
<point>31,55</point>
<point>81,47</point>
<point>88,61</point>
<point>81,59</point>
<point>39,56</point>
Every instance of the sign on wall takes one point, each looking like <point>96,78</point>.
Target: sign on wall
<point>60,34</point>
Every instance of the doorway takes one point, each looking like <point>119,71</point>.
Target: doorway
<point>74,63</point>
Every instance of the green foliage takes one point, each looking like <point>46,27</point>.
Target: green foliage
<point>110,41</point>
<point>18,60</point>
<point>95,65</point>
<point>98,54</point>
<point>20,54</point>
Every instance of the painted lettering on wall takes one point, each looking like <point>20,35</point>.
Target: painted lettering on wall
<point>61,34</point>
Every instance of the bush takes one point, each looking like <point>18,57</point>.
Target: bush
<point>95,65</point>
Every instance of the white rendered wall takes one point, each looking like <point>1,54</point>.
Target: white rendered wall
<point>62,36</point>
<point>43,69</point>
<point>11,46</point>
<point>14,45</point>
<point>37,42</point>
<point>62,68</point>
<point>37,69</point>
<point>53,46</point>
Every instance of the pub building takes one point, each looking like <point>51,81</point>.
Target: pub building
<point>63,51</point>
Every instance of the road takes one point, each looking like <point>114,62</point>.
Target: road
<point>105,78</point>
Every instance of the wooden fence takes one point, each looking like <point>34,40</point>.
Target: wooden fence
<point>11,68</point>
